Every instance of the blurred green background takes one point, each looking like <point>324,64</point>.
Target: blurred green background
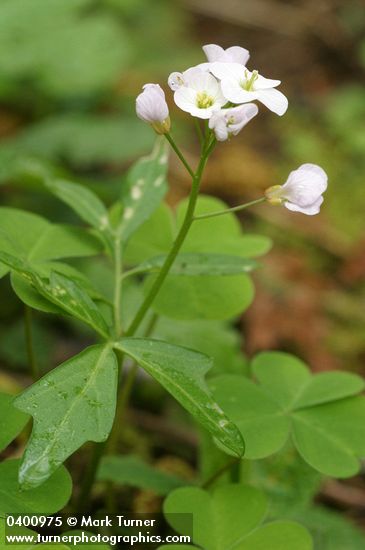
<point>69,74</point>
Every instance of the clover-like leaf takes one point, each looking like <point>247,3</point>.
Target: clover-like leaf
<point>181,372</point>
<point>323,413</point>
<point>143,190</point>
<point>134,472</point>
<point>232,517</point>
<point>202,296</point>
<point>47,499</point>
<point>72,404</point>
<point>12,421</point>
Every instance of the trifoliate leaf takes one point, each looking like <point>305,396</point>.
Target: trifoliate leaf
<point>323,414</point>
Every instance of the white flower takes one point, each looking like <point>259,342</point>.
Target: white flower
<point>234,54</point>
<point>302,191</point>
<point>200,95</point>
<point>239,85</point>
<point>151,107</point>
<point>229,122</point>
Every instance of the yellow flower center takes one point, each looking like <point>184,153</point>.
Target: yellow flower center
<point>203,100</point>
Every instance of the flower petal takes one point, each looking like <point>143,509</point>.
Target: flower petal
<point>228,70</point>
<point>237,54</point>
<point>310,210</point>
<point>273,100</point>
<point>305,185</point>
<point>213,52</point>
<point>233,92</point>
<point>262,83</point>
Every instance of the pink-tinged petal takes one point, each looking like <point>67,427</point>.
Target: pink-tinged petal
<point>310,210</point>
<point>151,105</point>
<point>238,54</point>
<point>305,185</point>
<point>273,100</point>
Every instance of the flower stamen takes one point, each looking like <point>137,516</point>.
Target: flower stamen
<point>248,84</point>
<point>204,101</point>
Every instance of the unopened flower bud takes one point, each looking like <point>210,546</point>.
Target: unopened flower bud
<point>302,191</point>
<point>151,107</point>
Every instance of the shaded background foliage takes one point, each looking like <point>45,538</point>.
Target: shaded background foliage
<point>69,73</point>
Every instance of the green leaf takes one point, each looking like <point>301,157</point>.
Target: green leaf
<point>144,189</point>
<point>67,294</point>
<point>83,201</point>
<point>330,530</point>
<point>264,426</point>
<point>211,298</point>
<point>5,530</point>
<point>202,297</point>
<point>132,471</point>
<point>72,298</point>
<point>202,264</point>
<point>231,517</point>
<point>279,535</point>
<point>64,241</point>
<point>152,238</point>
<point>52,496</point>
<point>181,372</point>
<point>218,340</point>
<point>31,297</point>
<point>42,240</point>
<point>12,421</point>
<point>322,413</point>
<point>335,384</point>
<point>72,404</point>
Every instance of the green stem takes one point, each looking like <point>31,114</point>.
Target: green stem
<point>117,285</point>
<point>179,154</point>
<point>29,343</point>
<point>83,500</point>
<point>199,131</point>
<point>226,467</point>
<point>228,210</point>
<point>188,220</point>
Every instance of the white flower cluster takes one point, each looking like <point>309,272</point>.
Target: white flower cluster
<point>220,90</point>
